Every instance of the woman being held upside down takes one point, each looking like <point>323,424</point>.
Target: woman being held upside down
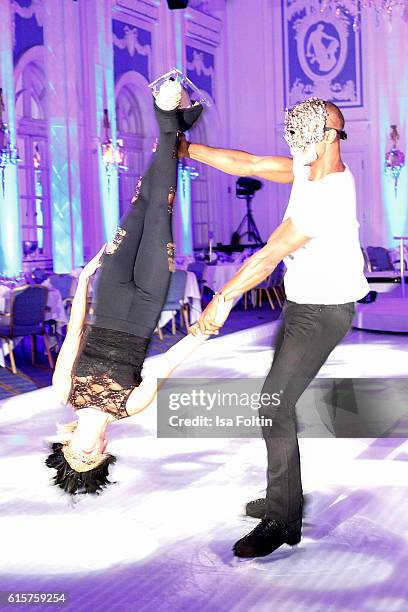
<point>99,365</point>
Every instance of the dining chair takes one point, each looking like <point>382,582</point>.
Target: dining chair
<point>39,275</point>
<point>264,286</point>
<point>62,282</point>
<point>272,283</point>
<point>198,267</point>
<point>276,283</point>
<point>26,318</point>
<point>175,299</point>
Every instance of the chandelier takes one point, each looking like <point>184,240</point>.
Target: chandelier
<point>113,157</point>
<point>383,8</point>
<point>8,154</point>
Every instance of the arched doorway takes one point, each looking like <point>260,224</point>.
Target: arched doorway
<point>136,127</point>
<point>33,169</point>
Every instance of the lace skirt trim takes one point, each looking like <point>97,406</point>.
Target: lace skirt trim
<point>100,392</point>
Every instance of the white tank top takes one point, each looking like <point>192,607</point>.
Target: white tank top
<point>329,269</point>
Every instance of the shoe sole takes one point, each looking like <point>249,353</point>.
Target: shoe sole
<point>292,541</point>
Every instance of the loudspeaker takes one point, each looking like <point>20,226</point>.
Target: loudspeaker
<point>177,4</point>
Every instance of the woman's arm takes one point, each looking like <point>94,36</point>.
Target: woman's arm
<point>240,163</point>
<point>143,395</point>
<point>61,379</point>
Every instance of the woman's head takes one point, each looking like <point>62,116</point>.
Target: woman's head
<point>80,460</point>
<point>79,473</point>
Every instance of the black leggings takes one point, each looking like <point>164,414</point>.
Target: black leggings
<point>134,278</point>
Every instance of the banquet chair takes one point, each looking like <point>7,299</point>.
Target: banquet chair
<point>277,283</point>
<point>26,318</point>
<point>367,262</point>
<point>63,283</point>
<point>175,299</point>
<point>379,259</point>
<point>264,286</point>
<point>272,283</point>
<point>198,267</point>
<point>39,275</point>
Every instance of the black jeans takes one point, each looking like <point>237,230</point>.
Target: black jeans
<point>133,281</point>
<point>308,334</point>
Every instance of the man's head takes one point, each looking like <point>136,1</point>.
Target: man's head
<point>313,128</point>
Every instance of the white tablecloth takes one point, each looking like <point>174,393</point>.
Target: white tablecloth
<point>56,313</point>
<point>217,276</point>
<point>191,296</point>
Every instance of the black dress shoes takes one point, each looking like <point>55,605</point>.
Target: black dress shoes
<point>267,536</point>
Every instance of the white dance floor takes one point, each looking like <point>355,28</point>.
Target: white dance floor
<point>161,538</point>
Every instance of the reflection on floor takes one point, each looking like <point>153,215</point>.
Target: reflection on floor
<point>160,539</point>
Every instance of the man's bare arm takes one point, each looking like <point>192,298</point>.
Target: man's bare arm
<point>240,163</point>
<point>286,239</point>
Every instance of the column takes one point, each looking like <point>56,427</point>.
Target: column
<point>172,55</point>
<point>10,237</point>
<point>98,91</point>
<point>61,62</point>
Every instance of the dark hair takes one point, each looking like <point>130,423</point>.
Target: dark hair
<point>73,482</point>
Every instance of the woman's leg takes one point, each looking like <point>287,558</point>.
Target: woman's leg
<point>133,284</point>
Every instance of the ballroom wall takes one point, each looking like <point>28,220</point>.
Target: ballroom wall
<point>65,62</point>
<point>265,73</point>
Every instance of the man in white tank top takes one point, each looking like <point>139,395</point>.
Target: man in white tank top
<point>318,241</point>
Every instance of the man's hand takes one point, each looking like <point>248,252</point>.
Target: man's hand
<point>93,265</point>
<point>183,145</point>
<point>213,317</point>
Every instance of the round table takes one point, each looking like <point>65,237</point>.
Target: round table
<point>191,296</point>
<point>215,277</point>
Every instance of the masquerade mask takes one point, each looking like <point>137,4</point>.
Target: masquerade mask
<point>305,124</point>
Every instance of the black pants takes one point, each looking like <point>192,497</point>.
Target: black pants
<point>307,336</point>
<point>133,280</point>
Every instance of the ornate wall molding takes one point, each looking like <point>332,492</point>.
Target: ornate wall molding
<point>201,68</point>
<point>130,41</point>
<point>322,54</point>
<point>203,27</point>
<point>132,47</point>
<point>148,10</point>
<point>197,64</point>
<point>26,27</point>
<point>35,9</point>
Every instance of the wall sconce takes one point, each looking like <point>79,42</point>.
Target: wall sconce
<point>8,154</point>
<point>113,157</point>
<point>394,159</point>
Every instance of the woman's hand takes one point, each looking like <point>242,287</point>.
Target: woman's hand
<point>213,317</point>
<point>93,265</point>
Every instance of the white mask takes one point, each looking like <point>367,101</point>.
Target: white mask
<point>304,156</point>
